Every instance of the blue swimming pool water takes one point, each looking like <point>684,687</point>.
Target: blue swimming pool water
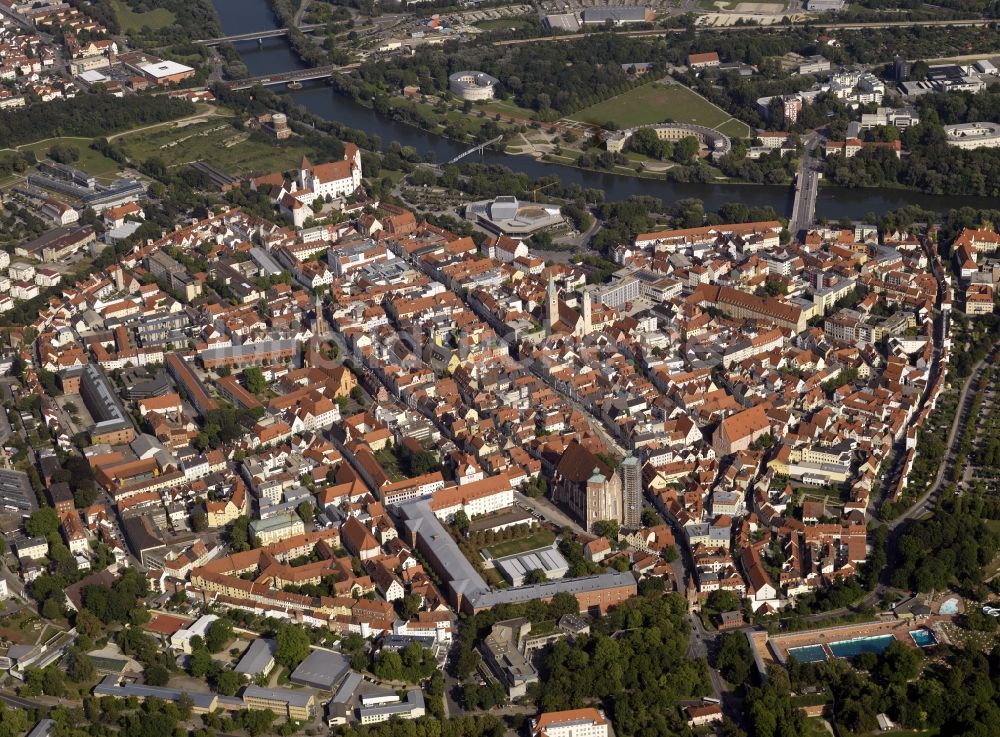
<point>852,648</point>
<point>949,607</point>
<point>923,638</point>
<point>808,653</point>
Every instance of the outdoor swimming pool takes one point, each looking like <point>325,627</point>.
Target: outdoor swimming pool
<point>949,607</point>
<point>923,638</point>
<point>808,653</point>
<point>852,648</point>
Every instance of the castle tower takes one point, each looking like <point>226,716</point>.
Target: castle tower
<point>588,322</point>
<point>551,306</point>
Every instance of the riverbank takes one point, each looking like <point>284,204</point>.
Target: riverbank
<point>244,16</point>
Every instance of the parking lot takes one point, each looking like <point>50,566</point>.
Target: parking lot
<point>486,14</point>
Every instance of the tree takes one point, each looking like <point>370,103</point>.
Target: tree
<point>461,521</point>
<point>899,663</point>
<point>199,520</point>
<point>254,379</point>
<point>685,149</point>
<point>306,511</point>
<point>239,534</point>
<point>409,605</point>
<point>13,721</point>
<point>218,635</point>
<point>607,528</point>
<point>199,663</point>
<point>43,522</point>
<point>536,575</point>
<point>228,682</point>
<point>87,624</point>
<point>292,645</point>
<point>389,666</point>
<point>157,675</point>
<point>79,666</point>
<point>53,682</point>
<point>52,608</point>
<point>734,658</point>
<point>723,601</point>
<point>255,721</point>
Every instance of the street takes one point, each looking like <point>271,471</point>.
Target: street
<point>806,188</point>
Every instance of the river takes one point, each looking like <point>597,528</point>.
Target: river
<point>274,55</point>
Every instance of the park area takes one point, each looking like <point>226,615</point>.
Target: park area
<point>215,142</point>
<point>132,21</point>
<point>658,102</point>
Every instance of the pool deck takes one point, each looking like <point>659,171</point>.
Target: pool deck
<point>775,649</point>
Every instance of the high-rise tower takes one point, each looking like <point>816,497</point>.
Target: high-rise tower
<point>631,471</point>
<point>551,306</point>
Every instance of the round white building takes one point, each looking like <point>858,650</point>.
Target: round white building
<point>973,135</point>
<point>473,85</point>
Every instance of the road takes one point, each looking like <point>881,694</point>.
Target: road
<point>300,13</point>
<point>595,423</point>
<point>806,188</point>
<point>776,27</point>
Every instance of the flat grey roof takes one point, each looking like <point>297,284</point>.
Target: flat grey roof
<point>16,493</point>
<point>414,700</point>
<point>264,260</point>
<point>462,576</point>
<point>258,656</point>
<point>287,695</point>
<point>322,670</point>
<point>109,687</point>
<point>346,691</point>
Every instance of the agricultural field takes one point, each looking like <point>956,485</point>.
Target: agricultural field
<point>132,21</point>
<point>655,103</point>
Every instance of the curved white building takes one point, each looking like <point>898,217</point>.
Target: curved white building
<point>973,135</point>
<point>473,85</point>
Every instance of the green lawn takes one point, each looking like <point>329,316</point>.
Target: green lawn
<point>654,103</point>
<point>131,21</point>
<point>541,538</point>
<point>734,129</point>
<point>90,160</point>
<point>505,107</point>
